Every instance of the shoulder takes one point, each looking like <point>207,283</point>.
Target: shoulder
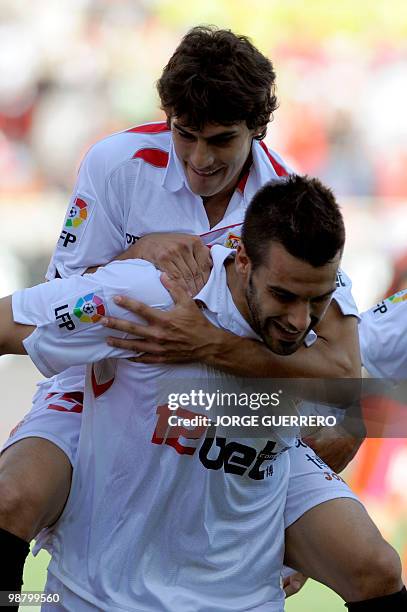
<point>383,337</point>
<point>149,143</point>
<point>136,278</point>
<point>272,163</point>
<point>388,315</point>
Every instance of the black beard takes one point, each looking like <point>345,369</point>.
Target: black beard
<point>255,322</point>
<point>259,328</point>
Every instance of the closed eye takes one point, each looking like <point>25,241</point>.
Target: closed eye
<point>185,135</point>
<point>282,297</point>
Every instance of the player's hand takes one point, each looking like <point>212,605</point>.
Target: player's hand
<point>335,445</point>
<point>180,335</point>
<point>293,583</point>
<point>183,257</point>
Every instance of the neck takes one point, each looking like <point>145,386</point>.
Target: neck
<point>216,205</point>
<point>237,290</point>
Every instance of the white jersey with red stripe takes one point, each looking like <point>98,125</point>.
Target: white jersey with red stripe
<point>132,184</point>
<point>162,516</point>
<point>383,338</point>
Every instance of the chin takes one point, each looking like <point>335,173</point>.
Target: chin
<point>287,348</point>
<point>281,348</point>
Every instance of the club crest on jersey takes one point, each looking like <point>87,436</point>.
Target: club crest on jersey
<point>80,312</point>
<point>232,241</point>
<point>77,214</point>
<point>75,222</point>
<point>89,309</point>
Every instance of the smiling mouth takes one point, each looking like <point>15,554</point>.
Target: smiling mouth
<point>204,174</point>
<point>286,334</point>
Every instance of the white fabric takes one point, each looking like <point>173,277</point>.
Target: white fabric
<point>383,338</point>
<point>167,519</point>
<point>312,482</point>
<point>72,602</point>
<point>126,197</point>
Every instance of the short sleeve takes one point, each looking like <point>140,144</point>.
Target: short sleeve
<point>92,230</point>
<point>68,312</point>
<point>383,338</point>
<point>343,295</point>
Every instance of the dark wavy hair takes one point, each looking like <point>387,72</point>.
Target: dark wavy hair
<point>218,77</point>
<point>298,212</point>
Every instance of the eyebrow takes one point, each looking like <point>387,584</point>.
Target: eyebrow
<point>286,293</point>
<point>225,134</point>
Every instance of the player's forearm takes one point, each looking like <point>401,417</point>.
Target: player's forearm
<point>249,358</point>
<point>11,334</point>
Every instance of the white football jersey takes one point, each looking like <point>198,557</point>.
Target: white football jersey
<point>383,338</point>
<point>132,184</point>
<point>161,516</point>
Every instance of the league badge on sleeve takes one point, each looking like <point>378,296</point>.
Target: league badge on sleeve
<point>75,222</point>
<point>89,309</point>
<point>77,214</point>
<point>80,312</point>
<point>398,298</point>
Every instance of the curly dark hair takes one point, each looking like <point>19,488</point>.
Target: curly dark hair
<point>298,212</point>
<point>215,76</point>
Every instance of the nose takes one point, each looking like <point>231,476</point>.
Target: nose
<point>299,316</point>
<point>202,157</point>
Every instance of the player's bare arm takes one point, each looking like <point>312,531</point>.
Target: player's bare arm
<point>184,334</point>
<point>11,334</point>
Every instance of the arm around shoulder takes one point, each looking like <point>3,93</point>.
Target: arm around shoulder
<point>335,354</point>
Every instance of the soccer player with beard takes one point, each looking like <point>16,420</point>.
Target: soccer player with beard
<point>193,175</point>
<point>171,518</point>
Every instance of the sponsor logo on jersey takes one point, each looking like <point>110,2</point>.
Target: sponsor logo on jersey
<point>232,241</point>
<point>89,309</point>
<point>214,452</point>
<point>131,239</point>
<point>77,214</point>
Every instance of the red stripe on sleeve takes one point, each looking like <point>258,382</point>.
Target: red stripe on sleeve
<point>150,128</point>
<point>280,170</point>
<point>155,157</point>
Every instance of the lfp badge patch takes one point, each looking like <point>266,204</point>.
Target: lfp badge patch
<point>75,222</point>
<point>89,308</point>
<point>77,214</point>
<point>397,298</point>
<point>80,312</point>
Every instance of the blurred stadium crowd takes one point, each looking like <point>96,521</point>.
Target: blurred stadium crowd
<point>71,73</point>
